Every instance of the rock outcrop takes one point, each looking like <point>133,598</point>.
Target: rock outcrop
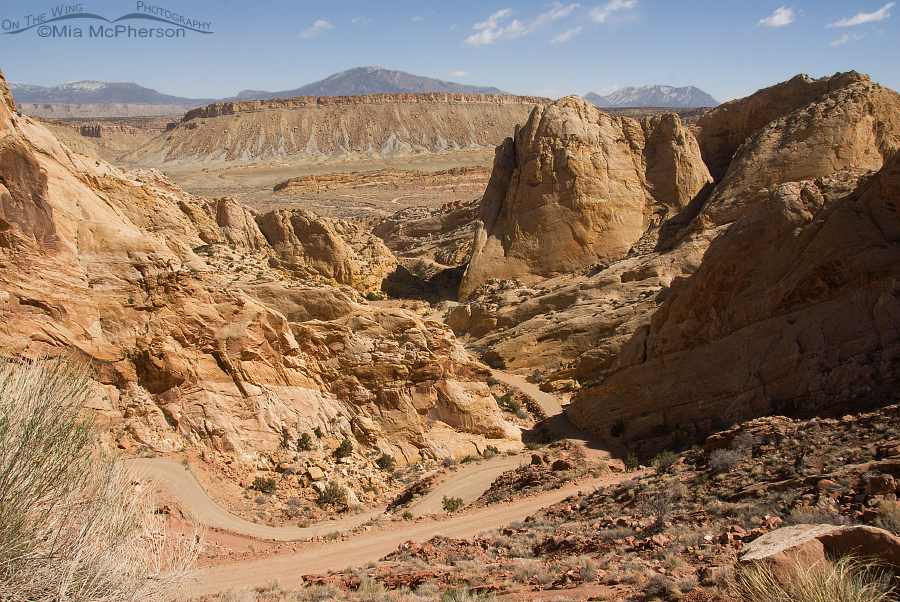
<point>575,187</point>
<point>795,307</point>
<point>310,246</point>
<point>193,338</point>
<point>801,546</point>
<point>573,322</point>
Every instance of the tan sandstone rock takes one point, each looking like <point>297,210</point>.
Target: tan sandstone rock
<point>576,186</point>
<point>192,337</point>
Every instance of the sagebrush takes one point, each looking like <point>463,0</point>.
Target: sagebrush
<point>72,526</point>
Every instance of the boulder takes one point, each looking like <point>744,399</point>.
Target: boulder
<point>804,545</point>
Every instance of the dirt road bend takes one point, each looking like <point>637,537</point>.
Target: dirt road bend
<point>359,549</point>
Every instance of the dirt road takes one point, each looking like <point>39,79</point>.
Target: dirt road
<point>359,549</point>
<point>596,448</point>
<point>468,483</point>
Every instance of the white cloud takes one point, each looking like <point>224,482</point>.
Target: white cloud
<point>879,15</point>
<point>601,13</point>
<point>779,18</point>
<point>566,36</point>
<point>844,39</point>
<point>499,26</point>
<point>459,74</point>
<point>361,20</point>
<point>317,27</point>
<point>549,92</point>
<point>416,18</point>
<point>607,90</point>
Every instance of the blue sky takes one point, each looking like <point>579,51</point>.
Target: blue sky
<point>728,48</point>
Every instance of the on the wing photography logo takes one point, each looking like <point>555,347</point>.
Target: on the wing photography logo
<point>65,21</point>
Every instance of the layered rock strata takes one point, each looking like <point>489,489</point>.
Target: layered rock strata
<point>376,125</point>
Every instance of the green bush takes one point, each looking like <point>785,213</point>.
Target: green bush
<point>344,449</point>
<point>663,461</point>
<point>386,463</point>
<point>304,443</point>
<point>507,403</point>
<point>71,525</point>
<point>265,484</point>
<point>333,495</point>
<point>631,462</point>
<point>451,504</point>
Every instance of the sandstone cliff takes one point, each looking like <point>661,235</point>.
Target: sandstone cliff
<point>795,307</point>
<point>575,187</point>
<point>378,125</point>
<point>572,325</point>
<point>193,338</point>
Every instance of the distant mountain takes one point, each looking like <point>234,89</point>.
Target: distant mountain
<point>95,92</point>
<point>653,96</point>
<point>354,82</point>
<point>370,80</point>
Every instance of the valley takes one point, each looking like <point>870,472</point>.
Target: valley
<point>627,343</point>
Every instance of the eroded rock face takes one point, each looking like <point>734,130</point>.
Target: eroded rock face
<point>575,187</point>
<point>796,306</point>
<point>576,326</point>
<point>193,338</point>
<point>337,251</point>
<point>814,128</point>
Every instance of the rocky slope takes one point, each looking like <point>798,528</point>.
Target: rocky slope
<point>194,333</point>
<point>376,125</point>
<point>541,297</point>
<point>795,307</point>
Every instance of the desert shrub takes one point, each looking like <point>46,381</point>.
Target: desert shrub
<point>304,443</point>
<point>468,458</point>
<point>344,449</point>
<point>522,414</point>
<point>631,462</point>
<point>333,495</point>
<point>724,460</point>
<point>451,504</point>
<point>815,515</point>
<point>507,403</point>
<point>318,432</point>
<point>663,461</point>
<point>407,515</point>
<point>265,484</point>
<point>888,517</point>
<point>462,594</point>
<point>319,592</point>
<point>490,451</point>
<point>532,446</point>
<point>386,463</point>
<point>491,381</point>
<point>659,585</point>
<point>845,580</point>
<point>71,525</point>
<point>589,567</point>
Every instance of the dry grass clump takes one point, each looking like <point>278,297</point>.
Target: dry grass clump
<point>72,527</point>
<point>843,580</point>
